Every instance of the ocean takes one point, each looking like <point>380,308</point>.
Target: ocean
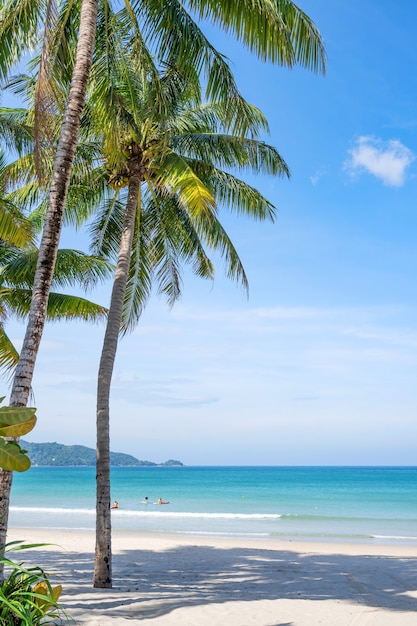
<point>334,504</point>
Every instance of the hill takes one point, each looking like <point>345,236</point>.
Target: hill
<point>60,454</point>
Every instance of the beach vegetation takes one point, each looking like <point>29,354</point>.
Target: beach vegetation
<point>15,421</point>
<point>27,597</point>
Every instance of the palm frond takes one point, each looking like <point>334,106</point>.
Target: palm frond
<point>60,306</point>
<point>68,307</point>
<point>277,30</point>
<point>72,268</point>
<point>235,194</point>
<point>15,228</point>
<point>177,176</point>
<point>228,151</point>
<point>106,227</point>
<point>139,283</point>
<point>9,356</point>
<point>19,28</point>
<point>46,121</point>
<point>15,131</point>
<point>181,42</point>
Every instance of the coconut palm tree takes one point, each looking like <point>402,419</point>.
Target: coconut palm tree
<point>18,252</point>
<point>170,157</point>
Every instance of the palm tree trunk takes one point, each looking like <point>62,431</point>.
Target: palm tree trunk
<point>103,554</point>
<point>51,232</point>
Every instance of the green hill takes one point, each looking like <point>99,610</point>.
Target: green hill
<point>59,454</point>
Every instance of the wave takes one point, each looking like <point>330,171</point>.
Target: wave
<point>394,537</point>
<point>255,525</point>
<point>344,518</point>
<point>165,513</point>
<point>344,536</point>
<point>54,510</point>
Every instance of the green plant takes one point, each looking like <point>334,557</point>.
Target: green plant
<point>15,421</point>
<point>26,596</point>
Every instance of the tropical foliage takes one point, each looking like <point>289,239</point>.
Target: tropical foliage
<point>15,421</point>
<point>27,597</point>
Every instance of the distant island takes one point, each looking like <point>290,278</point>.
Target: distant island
<point>59,454</point>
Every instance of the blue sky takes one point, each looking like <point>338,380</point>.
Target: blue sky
<point>318,365</point>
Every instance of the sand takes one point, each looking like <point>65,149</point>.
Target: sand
<point>162,581</point>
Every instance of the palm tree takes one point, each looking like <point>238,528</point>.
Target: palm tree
<point>288,37</point>
<point>168,151</point>
<point>18,252</point>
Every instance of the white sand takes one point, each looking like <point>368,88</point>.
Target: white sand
<point>162,581</point>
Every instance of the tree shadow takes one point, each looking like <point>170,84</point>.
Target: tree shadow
<point>148,584</point>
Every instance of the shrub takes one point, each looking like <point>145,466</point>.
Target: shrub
<point>26,596</point>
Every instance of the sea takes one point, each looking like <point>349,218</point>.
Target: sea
<point>331,504</point>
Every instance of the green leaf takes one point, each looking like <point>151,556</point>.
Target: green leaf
<point>12,457</point>
<point>16,415</point>
<point>18,430</point>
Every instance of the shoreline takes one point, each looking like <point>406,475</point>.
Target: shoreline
<point>274,539</point>
<point>212,581</point>
<point>299,544</point>
<point>122,539</point>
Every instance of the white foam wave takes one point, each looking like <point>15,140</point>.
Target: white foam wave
<point>165,513</point>
<point>53,510</point>
<point>396,537</point>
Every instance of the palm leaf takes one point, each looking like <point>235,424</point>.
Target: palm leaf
<point>234,193</point>
<point>177,176</point>
<point>15,131</point>
<point>19,23</point>
<point>277,31</point>
<point>15,229</point>
<point>60,306</point>
<point>9,356</point>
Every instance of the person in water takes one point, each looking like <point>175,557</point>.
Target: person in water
<point>159,500</point>
<point>115,505</point>
<point>145,500</point>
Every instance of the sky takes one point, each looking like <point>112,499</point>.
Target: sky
<point>318,365</point>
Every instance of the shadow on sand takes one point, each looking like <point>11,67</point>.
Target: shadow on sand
<point>148,584</point>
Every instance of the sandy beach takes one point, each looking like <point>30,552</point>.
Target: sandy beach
<point>213,582</point>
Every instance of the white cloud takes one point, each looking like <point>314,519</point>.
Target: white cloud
<point>388,161</point>
<point>315,178</point>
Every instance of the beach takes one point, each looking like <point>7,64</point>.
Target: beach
<point>162,580</point>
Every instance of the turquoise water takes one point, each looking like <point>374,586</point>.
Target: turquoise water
<point>377,505</point>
